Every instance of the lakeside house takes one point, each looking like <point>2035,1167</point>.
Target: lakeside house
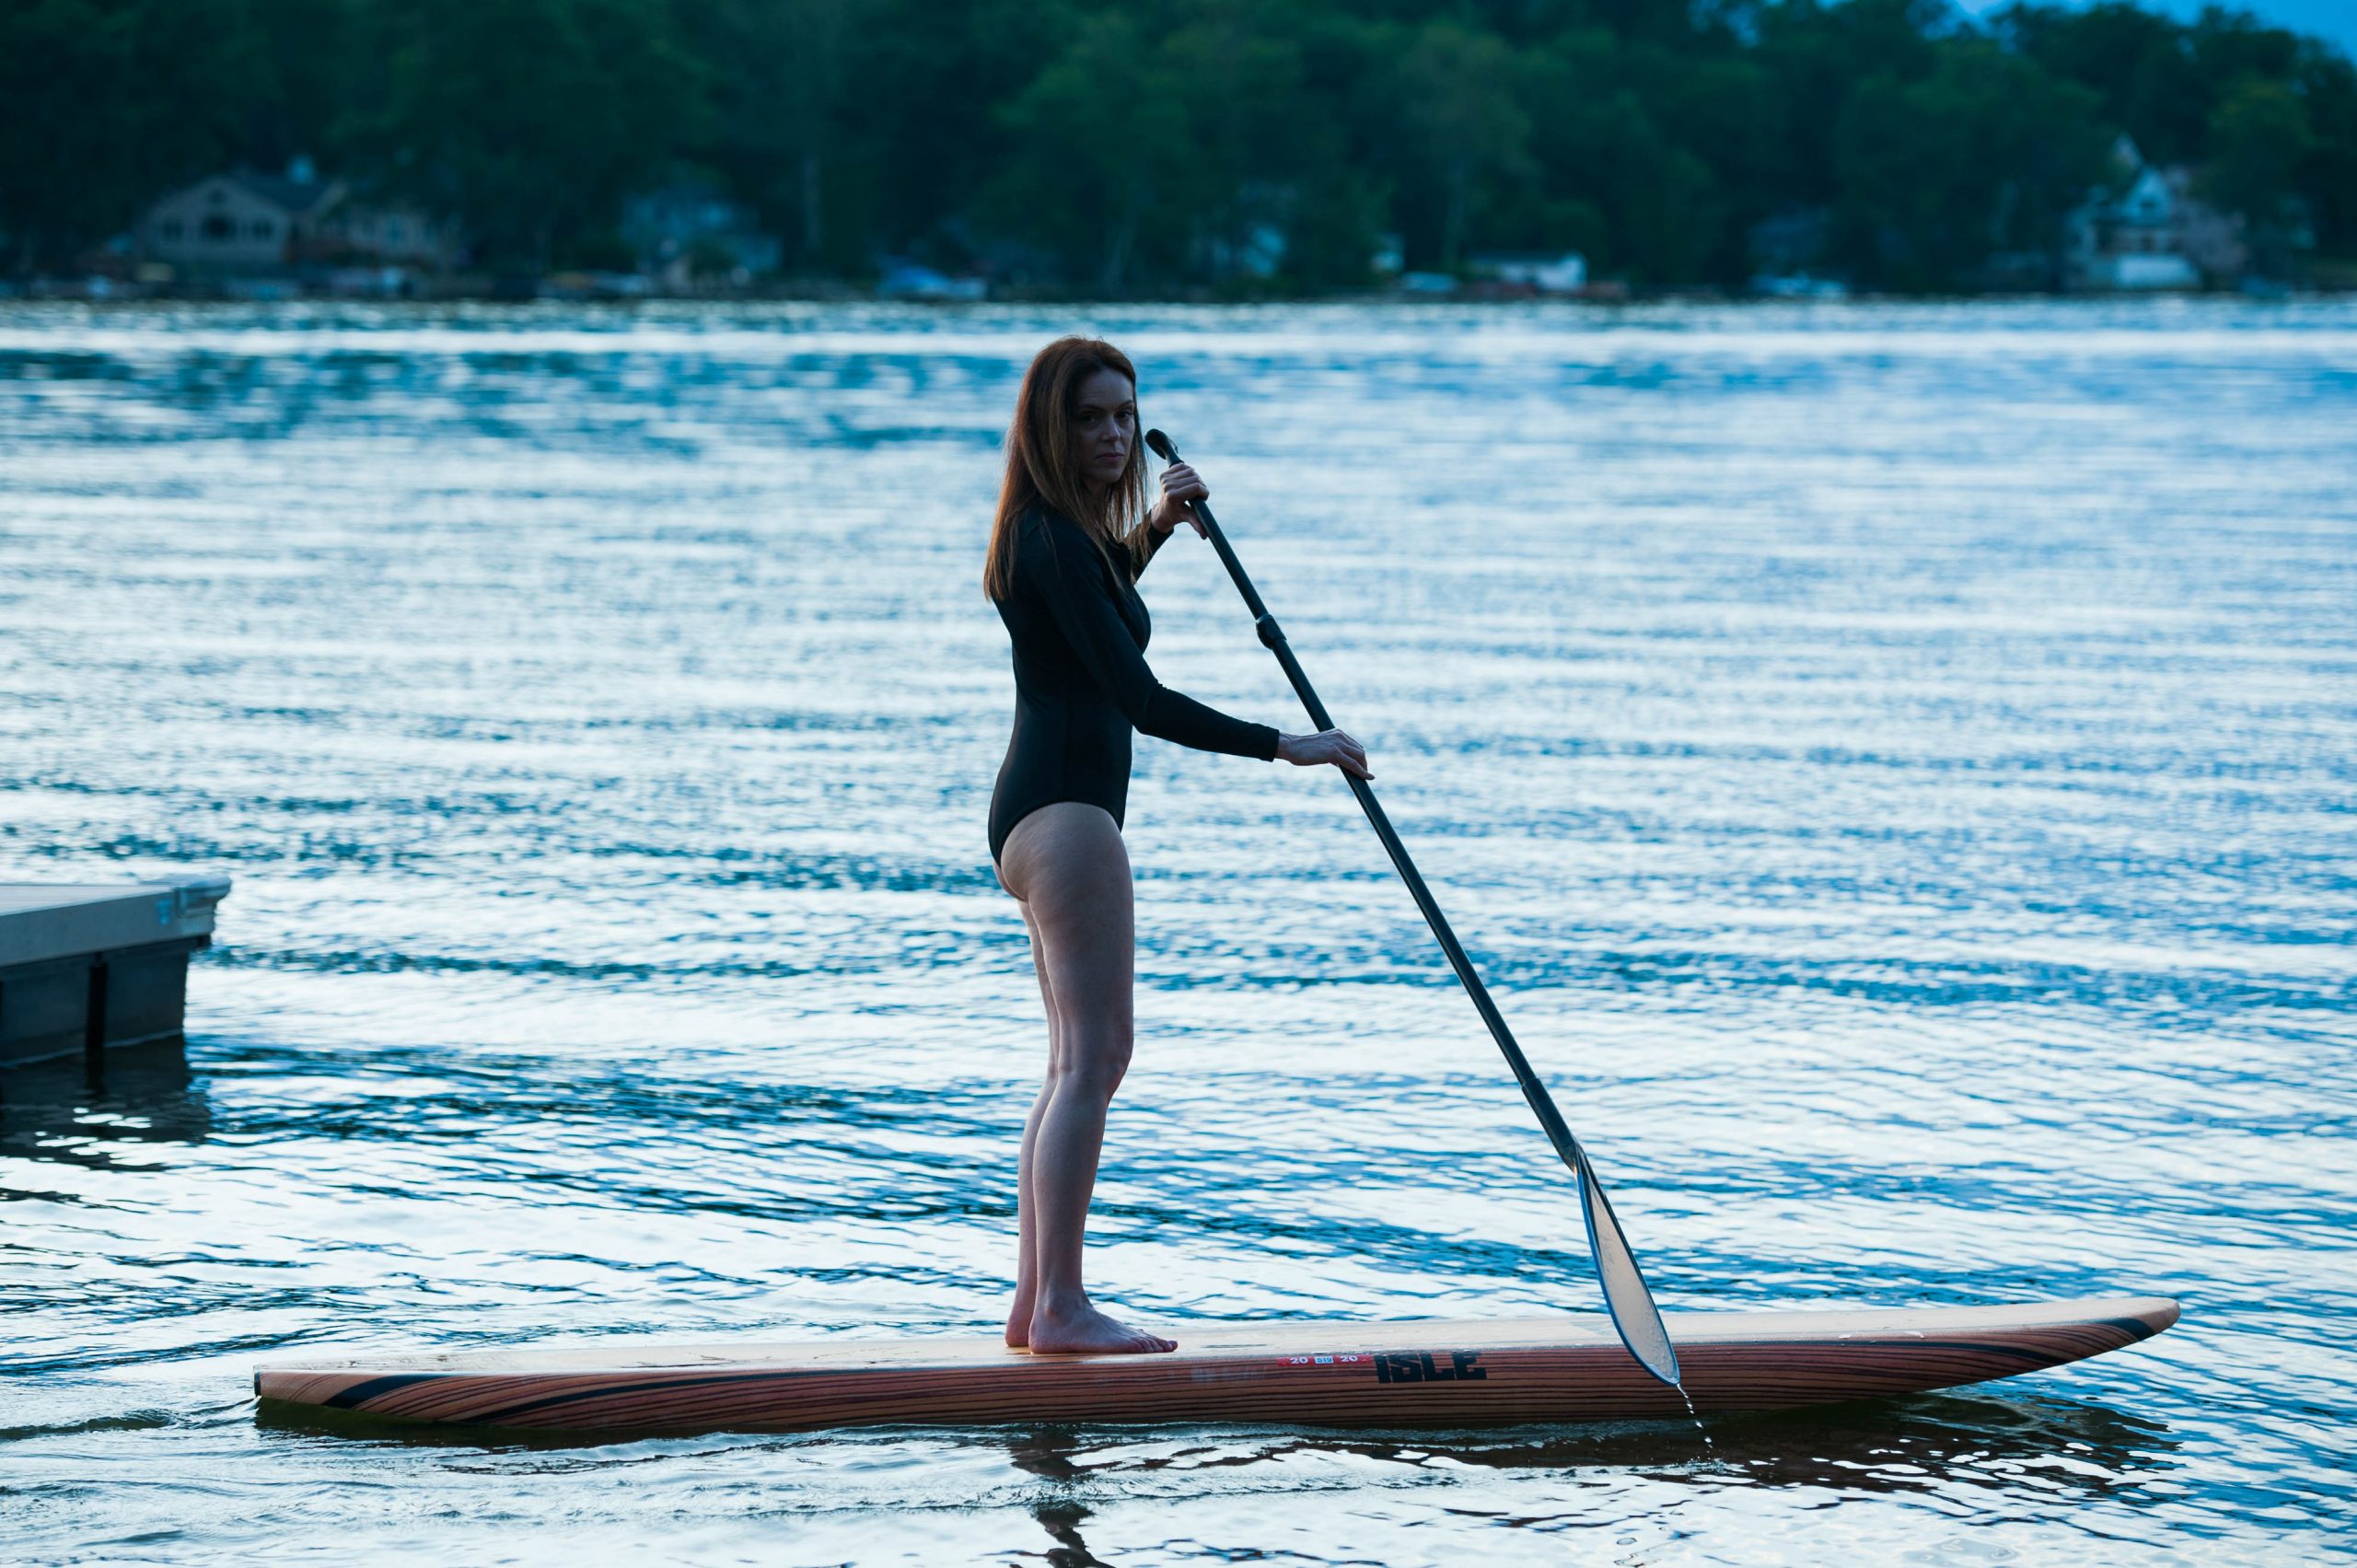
<point>1532,273</point>
<point>905,279</point>
<point>249,224</point>
<point>1788,251</point>
<point>1259,253</point>
<point>234,225</point>
<point>2151,232</point>
<point>690,227</point>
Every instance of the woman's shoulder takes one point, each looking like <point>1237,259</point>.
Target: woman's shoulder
<point>1048,537</point>
<point>1043,522</point>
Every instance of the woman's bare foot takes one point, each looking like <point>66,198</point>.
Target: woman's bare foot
<point>1078,1329</point>
<point>1018,1316</point>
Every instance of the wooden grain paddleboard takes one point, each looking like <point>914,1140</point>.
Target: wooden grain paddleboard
<point>1314,1374</point>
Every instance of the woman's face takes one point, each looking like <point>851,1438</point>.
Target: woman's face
<point>1105,427</point>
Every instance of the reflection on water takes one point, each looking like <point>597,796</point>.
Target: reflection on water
<point>1892,763</point>
<point>1927,1443</point>
<point>2020,1451</point>
<point>122,1111</point>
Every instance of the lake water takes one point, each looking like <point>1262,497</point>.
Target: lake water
<point>1894,764</point>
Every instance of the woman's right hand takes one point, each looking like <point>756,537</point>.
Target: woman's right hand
<point>1326,746</point>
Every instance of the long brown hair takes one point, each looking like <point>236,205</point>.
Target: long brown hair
<point>1043,467</point>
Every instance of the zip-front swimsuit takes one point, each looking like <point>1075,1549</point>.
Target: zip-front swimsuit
<point>1081,681</point>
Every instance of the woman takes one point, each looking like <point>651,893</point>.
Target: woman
<point>1064,557</point>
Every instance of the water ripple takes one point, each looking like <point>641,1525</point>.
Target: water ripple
<point>1894,763</point>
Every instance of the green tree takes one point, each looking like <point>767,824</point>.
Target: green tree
<point>1613,183</point>
<point>529,120</point>
<point>2258,137</point>
<point>2139,64</point>
<point>2327,83</point>
<point>927,131</point>
<point>1985,155</point>
<point>1142,143</point>
<point>1100,134</point>
<point>109,103</point>
<point>780,72</point>
<point>2258,140</point>
<point>310,65</point>
<point>1819,54</point>
<point>1459,129</point>
<point>1244,158</point>
<point>1333,131</point>
<point>1725,116</point>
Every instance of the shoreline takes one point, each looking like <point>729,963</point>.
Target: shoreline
<point>1404,305</point>
<point>544,292</point>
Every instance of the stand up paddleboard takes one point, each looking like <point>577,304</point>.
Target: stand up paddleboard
<point>1311,1374</point>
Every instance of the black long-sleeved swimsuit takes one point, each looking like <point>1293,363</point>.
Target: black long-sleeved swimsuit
<point>1082,684</point>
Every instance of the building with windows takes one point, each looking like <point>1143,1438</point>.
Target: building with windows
<point>362,234</point>
<point>688,227</point>
<point>235,225</point>
<point>2151,232</point>
<point>1533,274</point>
<point>249,224</point>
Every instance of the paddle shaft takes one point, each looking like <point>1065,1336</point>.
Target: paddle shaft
<point>1626,1294</point>
<point>1273,637</point>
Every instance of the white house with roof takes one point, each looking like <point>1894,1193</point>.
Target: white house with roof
<point>229,225</point>
<point>358,232</point>
<point>245,224</point>
<point>2153,233</point>
<point>670,227</point>
<point>1542,273</point>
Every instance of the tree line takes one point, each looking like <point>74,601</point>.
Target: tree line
<point>1138,146</point>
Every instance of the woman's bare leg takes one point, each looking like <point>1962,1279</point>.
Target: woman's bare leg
<point>1027,1249</point>
<point>1068,865</point>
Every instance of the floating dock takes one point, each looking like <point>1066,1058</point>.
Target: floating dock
<point>87,966</point>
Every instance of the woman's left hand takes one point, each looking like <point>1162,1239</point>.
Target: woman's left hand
<point>1181,484</point>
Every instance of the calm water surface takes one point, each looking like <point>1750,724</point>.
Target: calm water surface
<point>1894,764</point>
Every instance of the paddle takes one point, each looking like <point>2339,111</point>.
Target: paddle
<point>1633,1312</point>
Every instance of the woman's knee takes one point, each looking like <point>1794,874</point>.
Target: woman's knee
<point>1091,1061</point>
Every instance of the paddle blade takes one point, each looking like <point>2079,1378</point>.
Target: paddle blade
<point>1632,1305</point>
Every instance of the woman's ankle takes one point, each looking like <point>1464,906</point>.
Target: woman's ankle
<point>1069,1302</point>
